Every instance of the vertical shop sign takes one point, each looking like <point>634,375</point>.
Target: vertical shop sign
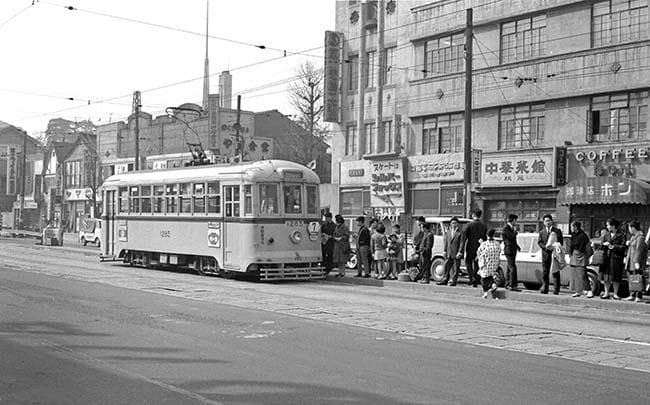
<point>332,77</point>
<point>11,169</point>
<point>560,166</point>
<point>476,165</point>
<point>387,187</point>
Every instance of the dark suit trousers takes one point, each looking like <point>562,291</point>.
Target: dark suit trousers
<point>511,273</point>
<point>452,269</point>
<point>425,268</point>
<point>472,267</point>
<point>546,270</point>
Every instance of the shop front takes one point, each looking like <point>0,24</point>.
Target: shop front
<point>78,204</point>
<point>608,181</point>
<point>354,191</point>
<point>522,183</point>
<point>435,185</point>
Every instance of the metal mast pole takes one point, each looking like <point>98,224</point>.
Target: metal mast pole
<point>468,112</point>
<point>136,111</point>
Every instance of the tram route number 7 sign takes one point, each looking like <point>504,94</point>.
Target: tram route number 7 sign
<point>214,234</point>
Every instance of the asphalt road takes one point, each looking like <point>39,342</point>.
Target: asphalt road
<point>69,341</point>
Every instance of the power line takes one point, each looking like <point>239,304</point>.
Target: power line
<point>15,15</point>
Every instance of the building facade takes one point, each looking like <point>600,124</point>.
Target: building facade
<point>552,81</point>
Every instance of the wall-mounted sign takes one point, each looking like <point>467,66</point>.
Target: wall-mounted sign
<point>387,185</point>
<point>355,173</point>
<point>438,167</point>
<point>78,194</point>
<point>560,166</point>
<point>606,190</point>
<point>12,169</point>
<point>517,169</point>
<point>630,162</point>
<point>331,77</point>
<point>477,156</point>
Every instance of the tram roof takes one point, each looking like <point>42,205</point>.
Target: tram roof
<point>258,171</point>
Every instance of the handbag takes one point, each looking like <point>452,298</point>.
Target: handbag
<point>635,282</point>
<point>598,258</point>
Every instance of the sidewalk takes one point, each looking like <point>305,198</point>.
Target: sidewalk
<point>463,289</point>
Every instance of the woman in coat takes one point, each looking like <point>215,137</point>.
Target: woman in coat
<point>611,271</point>
<point>341,245</point>
<point>488,263</point>
<point>579,261</point>
<point>637,255</point>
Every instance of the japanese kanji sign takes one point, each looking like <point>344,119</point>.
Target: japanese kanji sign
<point>12,169</point>
<point>438,167</point>
<point>524,169</point>
<point>604,190</point>
<point>387,185</point>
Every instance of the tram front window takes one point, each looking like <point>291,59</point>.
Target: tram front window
<point>268,198</point>
<point>292,199</point>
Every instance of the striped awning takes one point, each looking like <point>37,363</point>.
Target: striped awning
<point>604,190</point>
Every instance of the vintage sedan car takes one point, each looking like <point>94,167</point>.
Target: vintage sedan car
<point>529,265</point>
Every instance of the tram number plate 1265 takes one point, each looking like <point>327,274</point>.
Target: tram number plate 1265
<point>165,234</point>
<point>294,223</point>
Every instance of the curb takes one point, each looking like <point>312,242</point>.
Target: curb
<point>464,290</point>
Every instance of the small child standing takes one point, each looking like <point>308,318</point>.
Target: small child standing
<point>395,252</point>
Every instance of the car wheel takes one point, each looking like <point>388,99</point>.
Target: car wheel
<point>353,261</point>
<point>438,269</point>
<point>594,282</point>
<point>84,241</point>
<point>96,242</point>
<point>532,286</point>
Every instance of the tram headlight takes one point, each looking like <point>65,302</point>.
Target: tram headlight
<point>296,236</point>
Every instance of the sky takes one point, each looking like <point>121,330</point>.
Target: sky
<point>94,55</point>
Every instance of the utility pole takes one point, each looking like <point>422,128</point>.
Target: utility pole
<point>238,144</point>
<point>136,111</point>
<point>468,111</point>
<point>22,183</point>
<point>380,71</point>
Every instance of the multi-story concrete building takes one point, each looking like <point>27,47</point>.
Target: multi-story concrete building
<point>559,112</point>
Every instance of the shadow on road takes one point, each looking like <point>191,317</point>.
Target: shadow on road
<point>273,392</point>
<point>45,328</point>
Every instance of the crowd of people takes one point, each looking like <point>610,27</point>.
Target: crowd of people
<point>380,254</point>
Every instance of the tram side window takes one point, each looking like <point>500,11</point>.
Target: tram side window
<point>248,199</point>
<point>172,204</point>
<point>123,200</point>
<point>158,199</point>
<point>292,199</point>
<point>231,201</point>
<point>134,200</point>
<point>312,200</point>
<point>214,198</point>
<point>199,198</point>
<point>145,193</point>
<point>268,198</point>
<point>185,198</point>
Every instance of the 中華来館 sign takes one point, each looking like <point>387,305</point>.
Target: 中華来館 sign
<point>534,168</point>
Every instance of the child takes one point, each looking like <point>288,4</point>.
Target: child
<point>395,252</point>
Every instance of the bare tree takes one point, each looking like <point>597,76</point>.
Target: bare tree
<point>306,96</point>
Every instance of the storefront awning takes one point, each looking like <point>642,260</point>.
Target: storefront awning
<point>604,190</point>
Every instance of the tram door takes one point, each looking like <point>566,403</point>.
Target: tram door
<point>109,226</point>
<point>231,225</point>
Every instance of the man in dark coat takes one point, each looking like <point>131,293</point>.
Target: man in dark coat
<point>451,241</point>
<point>547,254</point>
<point>510,249</point>
<point>327,243</point>
<point>474,233</point>
<point>363,249</point>
<point>425,246</point>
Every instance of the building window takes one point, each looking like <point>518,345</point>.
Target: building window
<point>353,72</point>
<point>388,70</point>
<point>442,134</point>
<point>521,127</point>
<point>385,138</point>
<point>354,202</point>
<point>425,202</point>
<point>618,117</point>
<point>370,69</point>
<point>369,141</point>
<point>350,140</point>
<point>523,39</point>
<point>530,213</point>
<point>617,21</point>
<point>444,55</point>
<point>73,174</point>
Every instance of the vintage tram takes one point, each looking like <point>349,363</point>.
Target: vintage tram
<point>256,218</point>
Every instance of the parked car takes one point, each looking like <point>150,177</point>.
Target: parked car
<point>89,231</point>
